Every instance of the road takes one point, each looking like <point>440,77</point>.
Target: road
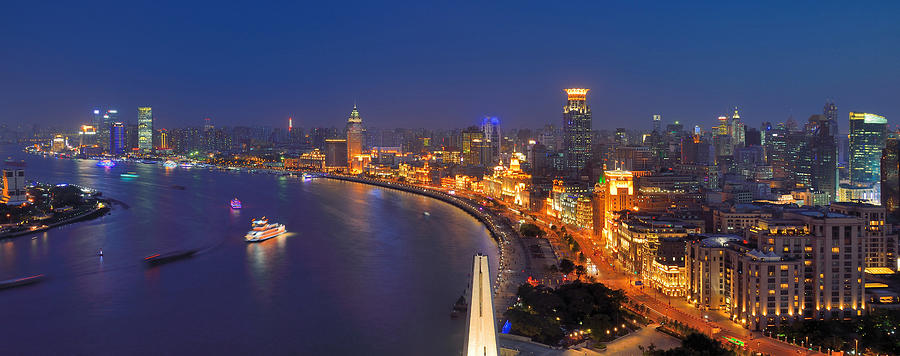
<point>662,307</point>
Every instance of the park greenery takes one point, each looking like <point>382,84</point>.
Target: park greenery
<point>549,315</point>
<point>694,344</point>
<point>531,230</point>
<point>876,333</point>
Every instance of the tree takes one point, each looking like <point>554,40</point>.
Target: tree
<point>65,195</point>
<point>531,230</point>
<point>566,266</point>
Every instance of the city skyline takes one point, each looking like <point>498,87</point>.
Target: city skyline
<point>678,68</point>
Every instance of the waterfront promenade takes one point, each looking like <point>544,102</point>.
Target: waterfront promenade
<point>515,265</point>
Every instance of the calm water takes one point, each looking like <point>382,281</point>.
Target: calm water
<point>363,272</point>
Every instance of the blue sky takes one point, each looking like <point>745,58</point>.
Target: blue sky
<point>445,64</point>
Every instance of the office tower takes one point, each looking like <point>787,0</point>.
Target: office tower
<point>821,131</point>
<point>621,137</point>
<point>735,130</point>
<point>830,112</point>
<point>657,121</point>
<point>335,154</point>
<point>490,126</point>
<point>471,142</point>
<point>890,177</point>
<point>99,124</point>
<point>354,134</point>
<point>867,133</point>
<point>117,138</point>
<point>163,140</point>
<point>777,152</point>
<point>577,129</point>
<point>145,129</point>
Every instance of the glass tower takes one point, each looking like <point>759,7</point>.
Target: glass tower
<point>577,129</point>
<point>867,134</point>
<point>145,128</point>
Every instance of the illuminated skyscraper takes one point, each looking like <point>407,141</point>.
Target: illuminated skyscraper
<point>657,121</point>
<point>490,126</point>
<point>867,133</point>
<point>145,128</point>
<point>890,176</point>
<point>354,134</point>
<point>577,129</point>
<point>117,138</point>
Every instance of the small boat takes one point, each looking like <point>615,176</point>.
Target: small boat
<point>178,187</point>
<point>158,259</point>
<point>129,175</point>
<point>21,281</point>
<point>460,307</point>
<point>235,203</point>
<point>262,230</point>
<point>100,253</point>
<point>426,213</point>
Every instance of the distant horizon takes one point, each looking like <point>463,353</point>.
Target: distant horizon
<point>446,65</point>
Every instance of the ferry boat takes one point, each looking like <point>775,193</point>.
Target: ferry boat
<point>235,203</point>
<point>106,163</point>
<point>262,230</point>
<point>170,164</point>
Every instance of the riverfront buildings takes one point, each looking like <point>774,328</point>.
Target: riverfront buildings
<point>145,129</point>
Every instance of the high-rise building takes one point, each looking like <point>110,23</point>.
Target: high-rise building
<point>804,265</point>
<point>145,128</point>
<point>14,187</point>
<point>736,130</point>
<point>657,121</point>
<point>890,177</point>
<point>577,129</point>
<point>101,120</point>
<point>821,131</point>
<point>354,134</point>
<point>335,154</point>
<point>117,138</point>
<point>490,126</point>
<point>472,140</point>
<point>867,133</point>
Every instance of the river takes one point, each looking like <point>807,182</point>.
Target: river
<point>362,271</point>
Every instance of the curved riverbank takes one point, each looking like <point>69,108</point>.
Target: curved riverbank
<point>513,258</point>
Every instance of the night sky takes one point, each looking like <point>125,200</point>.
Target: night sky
<point>447,64</point>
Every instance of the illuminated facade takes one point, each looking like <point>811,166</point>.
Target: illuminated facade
<point>879,241</point>
<point>335,154</point>
<point>577,129</point>
<point>809,265</point>
<point>355,138</point>
<point>117,138</point>
<point>890,176</point>
<point>14,189</point>
<point>145,129</point>
<point>415,175</point>
<point>653,247</point>
<point>867,136</point>
<point>58,144</point>
<point>510,185</point>
<point>563,203</point>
